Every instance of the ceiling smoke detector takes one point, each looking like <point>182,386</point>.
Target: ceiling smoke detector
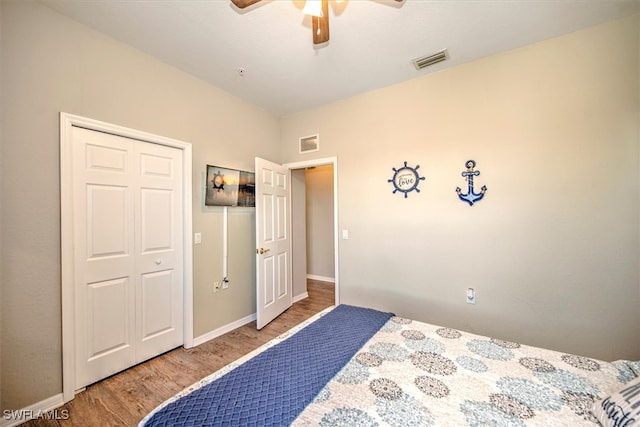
<point>426,61</point>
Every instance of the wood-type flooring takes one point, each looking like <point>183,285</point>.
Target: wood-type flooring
<point>125,398</point>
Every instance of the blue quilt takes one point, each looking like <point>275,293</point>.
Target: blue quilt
<point>274,387</point>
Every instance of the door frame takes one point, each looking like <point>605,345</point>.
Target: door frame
<point>321,162</point>
<point>67,122</point>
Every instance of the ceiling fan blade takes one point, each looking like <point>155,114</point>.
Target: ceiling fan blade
<point>241,4</point>
<point>320,25</point>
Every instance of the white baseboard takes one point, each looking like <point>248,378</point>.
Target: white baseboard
<point>300,297</point>
<point>321,278</point>
<point>44,410</point>
<point>222,330</point>
<point>231,326</point>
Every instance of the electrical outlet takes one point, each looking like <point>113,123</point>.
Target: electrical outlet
<point>471,296</point>
<point>225,284</point>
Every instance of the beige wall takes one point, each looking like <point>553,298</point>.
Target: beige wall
<point>51,64</point>
<point>298,233</point>
<point>320,232</point>
<point>552,250</point>
<point>2,298</point>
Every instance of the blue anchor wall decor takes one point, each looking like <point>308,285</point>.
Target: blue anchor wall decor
<point>471,197</point>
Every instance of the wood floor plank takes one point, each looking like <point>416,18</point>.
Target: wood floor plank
<point>125,398</point>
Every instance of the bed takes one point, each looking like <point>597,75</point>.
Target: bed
<point>353,366</point>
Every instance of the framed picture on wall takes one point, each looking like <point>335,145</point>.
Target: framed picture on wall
<point>230,187</point>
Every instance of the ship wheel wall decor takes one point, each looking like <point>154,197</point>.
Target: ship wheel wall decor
<point>320,24</point>
<point>406,179</point>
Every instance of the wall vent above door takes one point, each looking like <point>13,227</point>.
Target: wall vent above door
<point>309,143</point>
<point>426,61</point>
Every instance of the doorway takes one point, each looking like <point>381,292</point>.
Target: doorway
<point>326,270</point>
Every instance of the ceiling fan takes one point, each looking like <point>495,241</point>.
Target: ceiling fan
<point>319,11</point>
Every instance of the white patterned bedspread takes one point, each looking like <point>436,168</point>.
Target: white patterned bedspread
<point>415,374</point>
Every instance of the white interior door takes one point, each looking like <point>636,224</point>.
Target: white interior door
<point>128,252</point>
<point>159,266</point>
<point>273,241</point>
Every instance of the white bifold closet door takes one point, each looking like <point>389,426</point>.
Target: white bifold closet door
<point>128,278</point>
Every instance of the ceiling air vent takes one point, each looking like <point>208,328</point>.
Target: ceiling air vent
<point>425,61</point>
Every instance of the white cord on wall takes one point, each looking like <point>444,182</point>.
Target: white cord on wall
<point>225,247</point>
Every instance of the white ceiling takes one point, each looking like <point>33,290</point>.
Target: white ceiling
<point>372,42</point>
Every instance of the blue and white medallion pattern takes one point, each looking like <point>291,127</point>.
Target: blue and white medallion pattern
<point>415,374</point>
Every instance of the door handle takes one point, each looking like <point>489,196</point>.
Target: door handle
<point>262,251</point>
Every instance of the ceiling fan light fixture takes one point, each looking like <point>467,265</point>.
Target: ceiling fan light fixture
<point>317,9</point>
<point>313,8</point>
